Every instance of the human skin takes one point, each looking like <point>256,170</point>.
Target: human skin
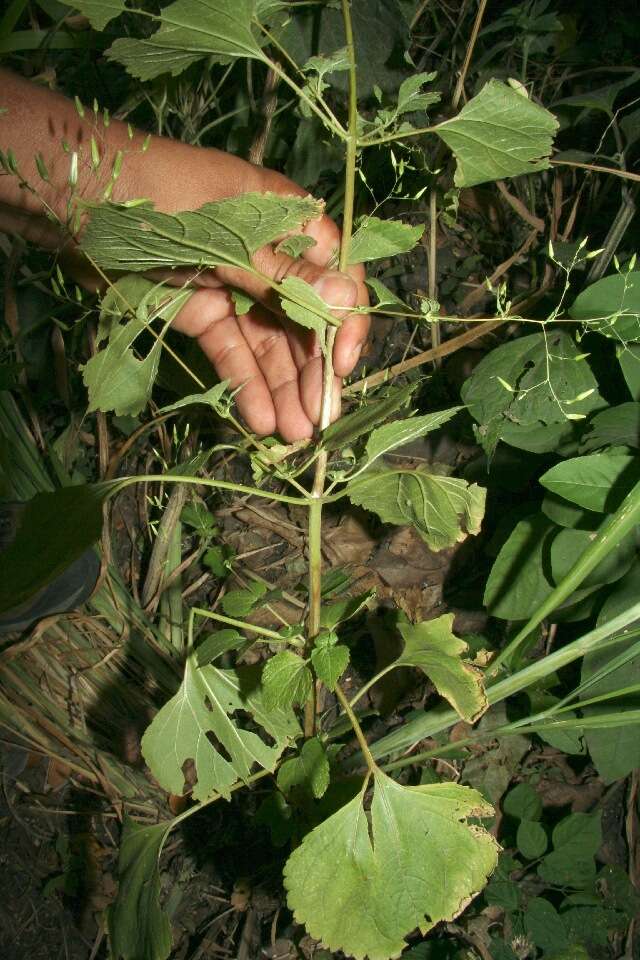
<point>277,365</point>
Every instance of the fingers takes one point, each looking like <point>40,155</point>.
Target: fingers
<point>208,316</point>
<point>270,345</point>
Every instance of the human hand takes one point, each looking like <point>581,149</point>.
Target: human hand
<point>277,364</point>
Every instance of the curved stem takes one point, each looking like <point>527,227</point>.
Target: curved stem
<point>357,729</point>
<point>272,635</point>
<point>123,482</point>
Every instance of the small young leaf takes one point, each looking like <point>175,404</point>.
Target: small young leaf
<point>331,614</point>
<point>309,315</point>
<point>239,603</point>
<point>375,239</point>
<point>417,863</point>
<point>205,703</point>
<point>286,680</point>
<point>434,648</point>
<point>210,398</point>
<point>330,659</point>
<point>399,432</point>
<point>387,300</point>
<point>523,803</point>
<point>218,643</point>
<point>498,134</point>
<point>410,95</point>
<point>355,426</point>
<point>309,770</point>
<point>139,929</point>
<point>444,510</point>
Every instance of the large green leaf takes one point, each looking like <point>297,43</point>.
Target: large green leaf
<point>116,379</point>
<point>611,306</point>
<point>617,426</point>
<point>569,545</point>
<point>517,584</point>
<point>138,927</point>
<point>204,705</point>
<point>189,30</point>
<point>418,862</point>
<point>444,510</point>
<point>498,134</point>
<point>433,647</point>
<point>598,482</point>
<point>226,232</point>
<point>375,239</point>
<point>55,529</point>
<point>530,384</point>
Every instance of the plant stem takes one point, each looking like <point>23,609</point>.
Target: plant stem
<point>357,729</point>
<point>250,627</point>
<point>315,506</point>
<point>123,482</point>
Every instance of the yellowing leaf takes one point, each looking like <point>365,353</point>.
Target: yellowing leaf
<point>444,510</point>
<point>286,680</point>
<point>434,648</point>
<point>361,888</point>
<point>498,134</point>
<point>204,705</point>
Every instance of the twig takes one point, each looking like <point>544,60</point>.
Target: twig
<point>455,100</point>
<point>596,168</point>
<point>536,222</point>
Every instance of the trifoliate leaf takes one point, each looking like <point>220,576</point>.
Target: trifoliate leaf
<point>205,704</point>
<point>375,239</point>
<point>138,927</point>
<point>189,30</point>
<point>116,379</point>
<point>498,134</point>
<point>418,862</point>
<point>444,510</point>
<point>355,426</point>
<point>226,232</point>
<point>239,603</point>
<point>400,432</point>
<point>309,312</point>
<point>286,680</point>
<point>210,398</point>
<point>309,770</point>
<point>434,648</point>
<point>330,659</point>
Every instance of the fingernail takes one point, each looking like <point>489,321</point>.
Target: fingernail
<point>336,289</point>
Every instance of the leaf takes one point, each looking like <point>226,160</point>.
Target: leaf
<point>189,30</point>
<point>617,426</point>
<point>531,839</point>
<point>602,98</point>
<point>517,583</point>
<point>330,659</point>
<point>356,425</point>
<point>498,134</point>
<point>547,374</point>
<point>611,306</point>
<point>443,510</point>
<point>523,803</point>
<point>434,648</point>
<point>296,245</point>
<point>239,603</point>
<point>376,239</point>
<point>387,300</point>
<point>99,12</point>
<point>286,680</point>
<point>576,840</point>
<point>218,643</point>
<point>596,482</point>
<point>417,863</point>
<point>210,398</point>
<point>629,360</point>
<point>400,432</point>
<point>307,315</point>
<point>138,927</point>
<point>205,704</point>
<point>410,95</point>
<point>116,379</point>
<point>544,926</point>
<point>309,770</point>
<point>226,232</point>
<point>331,614</point>
<point>615,751</point>
<point>44,546</point>
<point>568,546</point>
